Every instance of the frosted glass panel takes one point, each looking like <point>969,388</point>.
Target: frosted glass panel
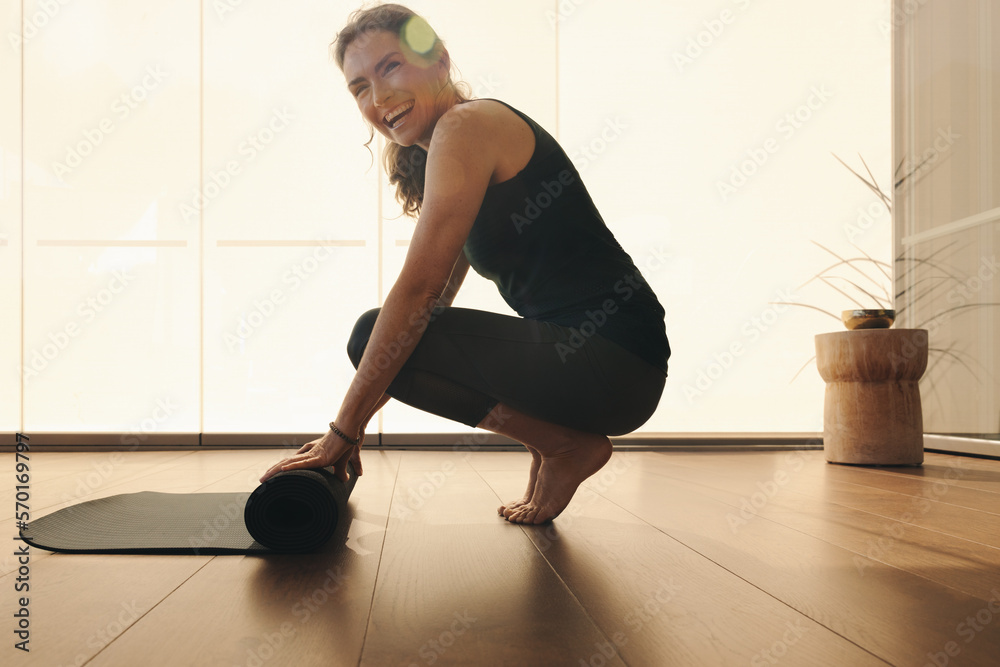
<point>704,133</point>
<point>202,225</point>
<point>282,144</point>
<point>111,281</point>
<point>277,321</point>
<point>290,226</point>
<point>111,339</point>
<point>10,218</point>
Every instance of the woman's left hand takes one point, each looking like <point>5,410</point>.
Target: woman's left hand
<point>329,450</point>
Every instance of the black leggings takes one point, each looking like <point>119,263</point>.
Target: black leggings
<point>469,360</point>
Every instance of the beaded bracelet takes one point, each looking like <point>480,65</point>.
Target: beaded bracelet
<point>353,441</point>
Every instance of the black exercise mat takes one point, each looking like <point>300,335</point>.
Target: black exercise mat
<point>293,512</point>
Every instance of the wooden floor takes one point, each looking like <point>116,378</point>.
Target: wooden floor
<point>665,558</point>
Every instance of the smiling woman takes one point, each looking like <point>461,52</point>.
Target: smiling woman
<point>491,190</point>
<point>418,46</point>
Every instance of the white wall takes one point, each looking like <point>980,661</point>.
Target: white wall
<point>232,309</point>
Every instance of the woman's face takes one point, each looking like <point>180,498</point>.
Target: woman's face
<point>394,87</point>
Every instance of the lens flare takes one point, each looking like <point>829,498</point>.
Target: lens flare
<point>418,35</point>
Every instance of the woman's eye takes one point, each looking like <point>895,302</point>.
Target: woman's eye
<point>390,67</point>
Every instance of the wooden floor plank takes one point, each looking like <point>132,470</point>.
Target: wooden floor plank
<point>978,476</point>
<point>662,603</point>
<point>78,604</point>
<point>944,489</point>
<point>817,578</point>
<point>460,586</point>
<point>931,510</point>
<point>966,566</point>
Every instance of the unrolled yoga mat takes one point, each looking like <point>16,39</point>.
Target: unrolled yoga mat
<point>293,512</point>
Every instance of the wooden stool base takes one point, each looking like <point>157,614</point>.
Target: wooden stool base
<point>871,410</point>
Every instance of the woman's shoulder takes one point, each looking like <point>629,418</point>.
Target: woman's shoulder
<point>495,129</point>
<point>490,116</point>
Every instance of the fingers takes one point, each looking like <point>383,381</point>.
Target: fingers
<point>340,469</point>
<point>356,460</point>
<point>296,462</point>
<point>272,471</point>
<point>306,447</point>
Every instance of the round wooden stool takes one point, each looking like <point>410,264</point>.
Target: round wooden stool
<point>871,412</point>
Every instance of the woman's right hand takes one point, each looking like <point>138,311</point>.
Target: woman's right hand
<point>330,450</point>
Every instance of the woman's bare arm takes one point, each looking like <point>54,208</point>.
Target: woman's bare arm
<point>463,155</point>
<point>458,273</point>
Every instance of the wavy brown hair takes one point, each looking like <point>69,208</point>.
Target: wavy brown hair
<point>405,165</point>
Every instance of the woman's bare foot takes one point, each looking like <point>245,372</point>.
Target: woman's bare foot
<point>536,463</point>
<point>559,476</point>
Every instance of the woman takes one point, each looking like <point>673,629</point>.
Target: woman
<point>492,190</point>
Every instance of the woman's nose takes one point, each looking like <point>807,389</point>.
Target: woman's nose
<point>380,94</point>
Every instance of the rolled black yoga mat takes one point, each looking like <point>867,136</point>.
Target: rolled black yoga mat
<point>293,512</point>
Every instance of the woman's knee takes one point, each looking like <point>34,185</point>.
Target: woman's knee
<point>359,336</point>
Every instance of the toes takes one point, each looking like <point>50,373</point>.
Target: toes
<point>512,508</point>
<point>528,515</point>
<point>531,515</point>
<point>523,514</point>
<point>509,507</point>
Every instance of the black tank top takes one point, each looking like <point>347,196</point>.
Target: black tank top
<point>541,240</point>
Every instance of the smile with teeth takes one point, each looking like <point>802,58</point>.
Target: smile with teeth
<point>393,116</point>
